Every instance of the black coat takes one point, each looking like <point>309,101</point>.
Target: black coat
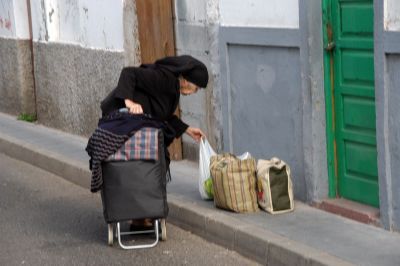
<point>155,89</point>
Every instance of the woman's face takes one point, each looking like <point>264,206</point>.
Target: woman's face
<point>187,88</point>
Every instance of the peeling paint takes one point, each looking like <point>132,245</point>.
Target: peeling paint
<point>14,19</point>
<point>68,21</point>
<point>41,29</point>
<point>131,34</point>
<point>392,15</point>
<point>105,34</point>
<point>51,14</point>
<point>6,22</point>
<point>86,10</point>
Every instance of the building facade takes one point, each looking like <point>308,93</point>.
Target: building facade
<point>314,82</point>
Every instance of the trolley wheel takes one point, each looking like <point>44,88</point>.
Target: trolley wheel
<point>163,226</point>
<point>110,234</point>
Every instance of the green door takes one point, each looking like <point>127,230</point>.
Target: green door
<point>353,105</point>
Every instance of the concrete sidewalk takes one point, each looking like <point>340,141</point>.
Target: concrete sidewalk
<point>307,236</point>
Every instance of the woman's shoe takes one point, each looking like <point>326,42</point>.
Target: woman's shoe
<point>141,225</point>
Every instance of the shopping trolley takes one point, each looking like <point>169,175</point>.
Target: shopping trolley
<point>135,189</point>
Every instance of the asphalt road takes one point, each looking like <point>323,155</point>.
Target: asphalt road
<point>46,220</point>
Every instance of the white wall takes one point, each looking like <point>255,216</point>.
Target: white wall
<point>95,24</point>
<point>102,23</point>
<point>14,19</point>
<point>392,15</point>
<point>260,13</point>
<point>7,25</point>
<point>191,11</point>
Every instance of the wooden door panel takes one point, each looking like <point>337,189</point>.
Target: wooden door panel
<point>156,36</point>
<point>358,112</point>
<point>361,13</point>
<point>156,29</point>
<point>361,160</point>
<point>356,67</point>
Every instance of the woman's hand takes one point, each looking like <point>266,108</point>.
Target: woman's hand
<point>134,108</point>
<point>195,133</point>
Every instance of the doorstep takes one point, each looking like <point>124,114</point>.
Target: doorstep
<point>350,209</point>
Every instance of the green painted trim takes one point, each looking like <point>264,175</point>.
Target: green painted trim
<point>330,130</point>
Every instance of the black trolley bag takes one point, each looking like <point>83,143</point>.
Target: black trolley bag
<point>135,189</point>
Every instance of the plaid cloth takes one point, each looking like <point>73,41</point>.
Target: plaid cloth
<point>143,145</point>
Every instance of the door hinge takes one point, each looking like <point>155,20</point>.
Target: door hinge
<point>330,46</point>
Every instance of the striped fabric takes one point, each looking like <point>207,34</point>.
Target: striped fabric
<point>143,145</point>
<point>234,183</point>
<point>101,144</point>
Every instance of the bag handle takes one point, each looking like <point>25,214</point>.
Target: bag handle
<point>276,160</point>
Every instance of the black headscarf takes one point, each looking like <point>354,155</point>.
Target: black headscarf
<point>189,67</point>
<point>156,87</point>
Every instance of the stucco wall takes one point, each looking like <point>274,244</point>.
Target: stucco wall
<point>70,83</point>
<point>392,18</point>
<point>260,13</point>
<point>314,110</point>
<point>263,95</point>
<point>196,33</point>
<point>16,79</point>
<point>220,31</point>
<point>292,126</point>
<point>7,21</point>
<point>14,19</point>
<point>91,24</point>
<point>393,71</point>
<point>78,54</point>
<point>197,30</point>
<point>387,95</point>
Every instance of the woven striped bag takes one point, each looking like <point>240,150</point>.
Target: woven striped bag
<point>234,183</point>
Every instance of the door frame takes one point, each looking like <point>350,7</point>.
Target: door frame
<point>329,89</point>
<point>327,33</point>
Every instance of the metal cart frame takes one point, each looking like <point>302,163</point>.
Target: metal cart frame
<point>160,231</point>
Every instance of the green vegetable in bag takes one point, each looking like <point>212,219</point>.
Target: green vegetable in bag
<point>208,187</point>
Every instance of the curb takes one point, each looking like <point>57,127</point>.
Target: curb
<point>262,246</point>
<point>71,170</point>
<point>259,245</point>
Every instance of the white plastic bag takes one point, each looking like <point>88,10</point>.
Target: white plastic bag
<point>205,181</point>
<point>244,156</point>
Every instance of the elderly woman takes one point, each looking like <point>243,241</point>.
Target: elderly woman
<point>155,89</point>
